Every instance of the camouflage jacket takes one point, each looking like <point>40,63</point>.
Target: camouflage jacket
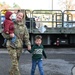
<point>22,34</point>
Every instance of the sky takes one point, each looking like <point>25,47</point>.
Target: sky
<point>30,4</point>
<point>36,4</point>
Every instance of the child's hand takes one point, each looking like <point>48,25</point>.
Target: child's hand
<point>7,32</point>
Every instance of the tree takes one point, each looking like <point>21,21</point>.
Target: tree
<point>67,4</point>
<point>15,5</point>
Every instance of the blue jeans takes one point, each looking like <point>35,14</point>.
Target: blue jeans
<point>40,66</point>
<point>13,39</point>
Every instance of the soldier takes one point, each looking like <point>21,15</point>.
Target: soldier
<point>22,34</point>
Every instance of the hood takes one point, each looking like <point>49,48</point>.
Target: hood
<point>8,14</point>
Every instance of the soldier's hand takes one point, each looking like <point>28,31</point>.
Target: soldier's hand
<point>29,47</point>
<point>12,35</point>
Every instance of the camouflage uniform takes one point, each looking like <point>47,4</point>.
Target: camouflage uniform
<point>22,35</point>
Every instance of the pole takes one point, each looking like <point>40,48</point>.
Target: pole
<point>52,4</point>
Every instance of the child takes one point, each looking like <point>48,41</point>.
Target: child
<point>37,51</point>
<point>8,30</point>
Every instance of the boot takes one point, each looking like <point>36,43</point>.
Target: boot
<point>11,72</point>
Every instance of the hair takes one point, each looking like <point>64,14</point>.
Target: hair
<point>24,13</point>
<point>20,11</point>
<point>38,37</point>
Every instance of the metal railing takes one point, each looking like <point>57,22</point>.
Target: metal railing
<point>55,21</point>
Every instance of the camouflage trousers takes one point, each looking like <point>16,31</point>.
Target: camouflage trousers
<point>14,55</point>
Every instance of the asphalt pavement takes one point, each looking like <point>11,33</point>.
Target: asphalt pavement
<point>59,62</point>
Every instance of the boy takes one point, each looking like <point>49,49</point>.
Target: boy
<point>37,51</point>
<point>8,30</point>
